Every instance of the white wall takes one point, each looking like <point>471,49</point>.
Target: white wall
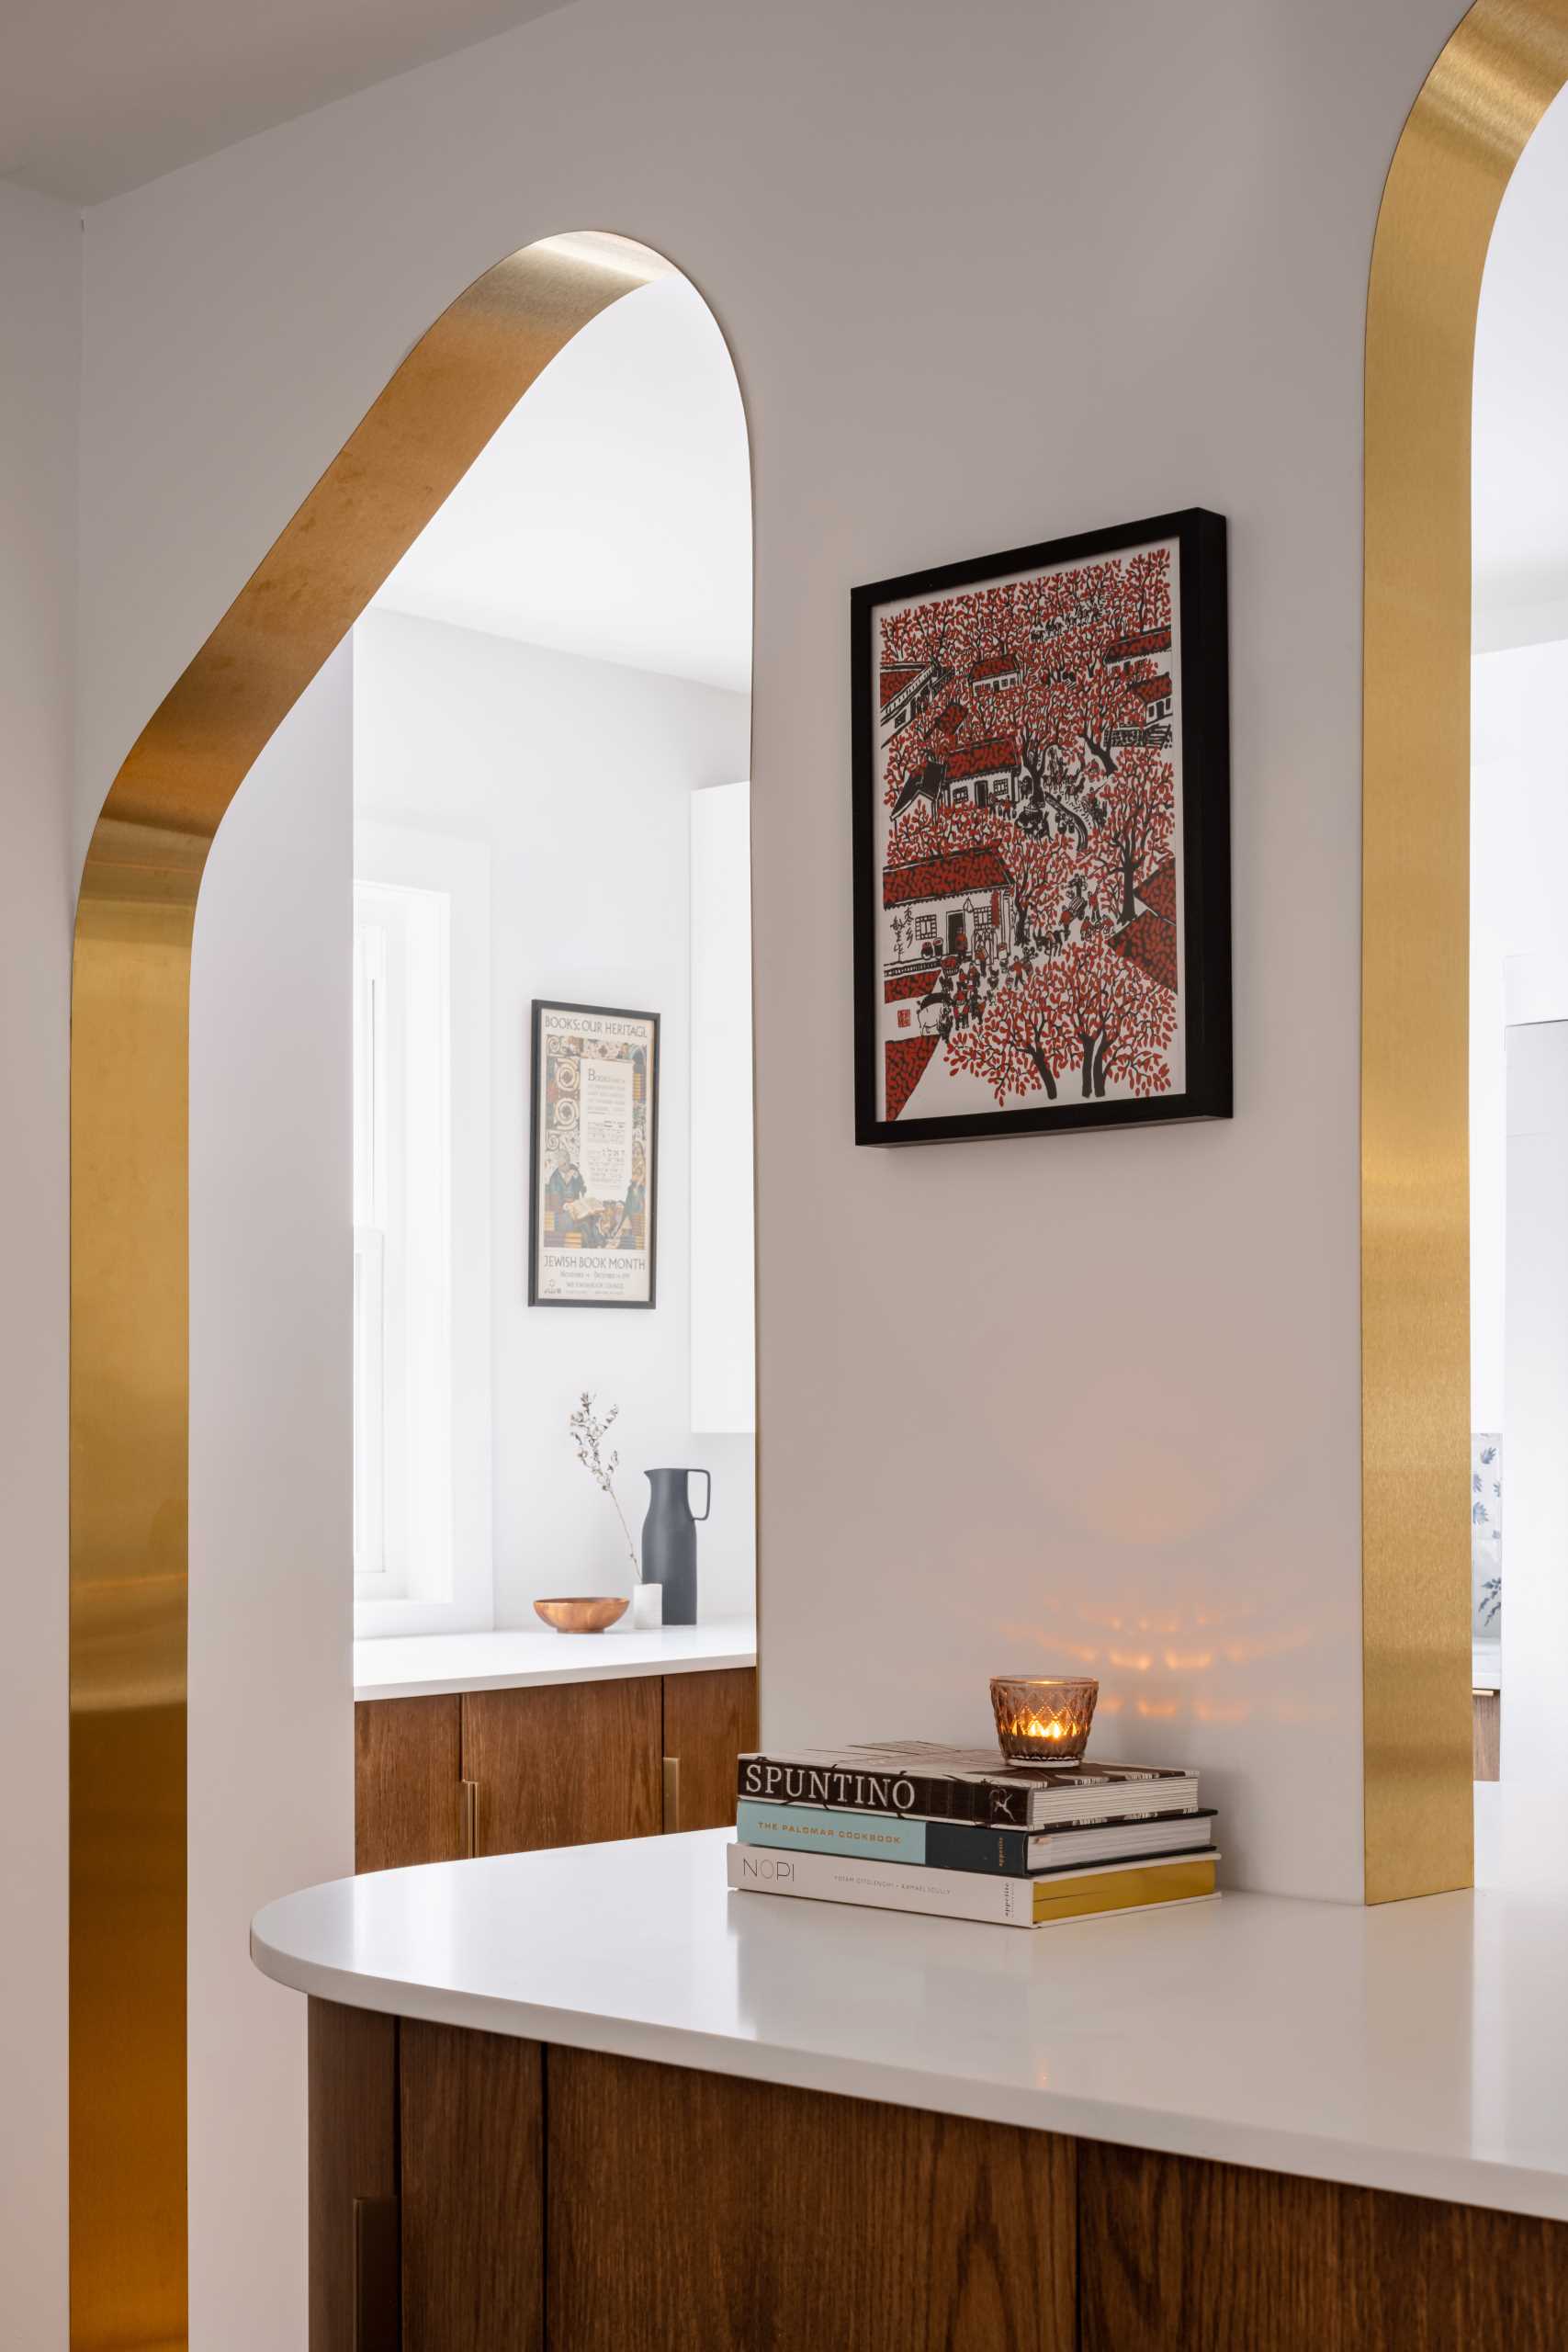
<point>1535,1460</point>
<point>40,247</point>
<point>578,776</point>
<point>1518,944</point>
<point>1518,483</point>
<point>271,1726</point>
<point>1149,288</point>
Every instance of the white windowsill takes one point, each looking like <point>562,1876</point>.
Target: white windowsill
<point>380,1621</point>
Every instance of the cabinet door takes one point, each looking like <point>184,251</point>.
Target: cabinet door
<point>352,2134</point>
<point>708,1720</point>
<point>407,1802</point>
<point>564,1765</point>
<point>470,2144</point>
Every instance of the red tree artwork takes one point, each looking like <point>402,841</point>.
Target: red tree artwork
<point>1030,838</point>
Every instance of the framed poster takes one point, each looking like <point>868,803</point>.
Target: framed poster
<point>1042,838</point>
<point>593,1156</point>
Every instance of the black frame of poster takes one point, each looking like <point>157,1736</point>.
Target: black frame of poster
<point>541,1005</point>
<point>1205,830</point>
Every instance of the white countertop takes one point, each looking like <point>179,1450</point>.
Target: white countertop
<point>1418,2046</point>
<point>418,1665</point>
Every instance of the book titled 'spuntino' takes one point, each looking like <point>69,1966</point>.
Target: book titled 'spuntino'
<point>926,1779</point>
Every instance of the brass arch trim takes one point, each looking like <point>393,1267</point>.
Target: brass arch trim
<point>1488,90</point>
<point>130,1371</point>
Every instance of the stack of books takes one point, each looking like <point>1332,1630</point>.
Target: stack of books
<point>961,1834</point>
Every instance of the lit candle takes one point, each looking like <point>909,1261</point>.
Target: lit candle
<point>1033,1711</point>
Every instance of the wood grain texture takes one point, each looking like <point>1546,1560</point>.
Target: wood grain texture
<point>1487,1733</point>
<point>352,2136</point>
<point>473,2192</point>
<point>1175,2253</point>
<point>407,1767</point>
<point>564,1765</point>
<point>691,2210</point>
<point>708,1720</point>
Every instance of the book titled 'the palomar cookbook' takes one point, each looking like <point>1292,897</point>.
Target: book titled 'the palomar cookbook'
<point>965,1845</point>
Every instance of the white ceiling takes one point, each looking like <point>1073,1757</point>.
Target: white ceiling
<point>611,515</point>
<point>1519,476</point>
<point>99,96</point>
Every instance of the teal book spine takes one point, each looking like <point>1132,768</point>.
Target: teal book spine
<point>883,1837</point>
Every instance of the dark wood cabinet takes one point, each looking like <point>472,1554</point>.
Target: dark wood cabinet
<point>544,2197</point>
<point>1487,1708</point>
<point>406,1782</point>
<point>560,1764</point>
<point>709,1720</point>
<point>776,2219</point>
<point>352,2135</point>
<point>471,2151</point>
<point>1172,2251</point>
<point>566,1764</point>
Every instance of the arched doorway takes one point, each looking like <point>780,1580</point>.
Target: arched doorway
<point>129,1248</point>
<point>1505,63</point>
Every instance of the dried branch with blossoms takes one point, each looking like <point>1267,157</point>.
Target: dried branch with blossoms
<point>589,1432</point>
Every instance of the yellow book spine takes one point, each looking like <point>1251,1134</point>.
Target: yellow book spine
<point>1123,1890</point>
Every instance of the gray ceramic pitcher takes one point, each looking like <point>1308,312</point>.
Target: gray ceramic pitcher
<point>670,1541</point>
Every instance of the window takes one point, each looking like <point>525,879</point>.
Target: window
<point>402,1243</point>
<point>370,1255</point>
<point>925,926</point>
<point>723,1329</point>
<point>422,1503</point>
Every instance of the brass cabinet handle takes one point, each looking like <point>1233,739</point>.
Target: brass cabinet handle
<point>469,1792</point>
<point>378,2281</point>
<point>671,1792</point>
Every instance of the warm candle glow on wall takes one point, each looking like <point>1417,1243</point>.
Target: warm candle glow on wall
<point>1043,1717</point>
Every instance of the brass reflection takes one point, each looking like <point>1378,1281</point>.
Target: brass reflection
<point>130,1250</point>
<point>1488,90</point>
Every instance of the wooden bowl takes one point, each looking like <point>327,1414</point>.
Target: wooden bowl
<point>581,1616</point>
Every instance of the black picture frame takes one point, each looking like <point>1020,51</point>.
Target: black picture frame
<point>539,1009</point>
<point>1204,718</point>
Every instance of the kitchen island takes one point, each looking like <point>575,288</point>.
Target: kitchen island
<point>587,2097</point>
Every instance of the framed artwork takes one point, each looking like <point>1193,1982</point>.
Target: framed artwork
<point>594,1157</point>
<point>1042,838</point>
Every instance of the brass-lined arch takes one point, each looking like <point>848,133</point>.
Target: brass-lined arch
<point>1504,64</point>
<point>130,1275</point>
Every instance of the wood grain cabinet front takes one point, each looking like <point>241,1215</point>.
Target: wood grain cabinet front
<point>557,1764</point>
<point>407,1771</point>
<point>709,1720</point>
<point>1487,1706</point>
<point>548,2200</point>
<point>566,1764</point>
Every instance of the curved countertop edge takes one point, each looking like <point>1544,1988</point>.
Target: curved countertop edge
<point>1508,2188</point>
<point>1390,2158</point>
<point>524,1657</point>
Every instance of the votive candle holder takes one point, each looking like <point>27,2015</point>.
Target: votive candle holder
<point>1043,1718</point>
